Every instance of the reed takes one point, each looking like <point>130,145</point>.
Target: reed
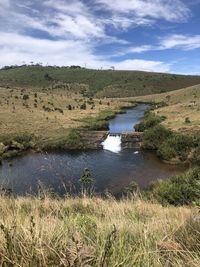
<point>97,232</point>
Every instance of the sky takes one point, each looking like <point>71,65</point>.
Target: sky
<point>148,35</point>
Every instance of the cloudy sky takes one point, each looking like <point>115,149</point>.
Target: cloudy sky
<point>152,35</point>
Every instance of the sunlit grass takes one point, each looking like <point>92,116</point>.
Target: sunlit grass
<point>97,232</point>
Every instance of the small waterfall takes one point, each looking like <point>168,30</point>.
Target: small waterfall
<point>112,143</point>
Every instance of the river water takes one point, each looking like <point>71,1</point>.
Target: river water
<point>112,171</point>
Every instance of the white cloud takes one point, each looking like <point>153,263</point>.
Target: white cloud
<point>26,49</point>
<point>76,28</point>
<point>80,27</point>
<point>170,10</point>
<point>78,19</point>
<point>140,49</point>
<point>76,6</point>
<point>175,41</point>
<point>185,42</point>
<point>144,65</point>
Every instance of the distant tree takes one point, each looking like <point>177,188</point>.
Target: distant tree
<point>25,97</point>
<point>69,107</point>
<point>75,67</point>
<point>83,106</point>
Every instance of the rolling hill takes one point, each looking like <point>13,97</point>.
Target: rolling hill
<point>102,83</point>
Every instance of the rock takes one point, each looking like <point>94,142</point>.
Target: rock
<point>131,137</point>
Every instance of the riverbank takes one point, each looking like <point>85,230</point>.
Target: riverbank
<point>97,232</point>
<point>181,109</point>
<point>31,118</point>
<point>27,125</point>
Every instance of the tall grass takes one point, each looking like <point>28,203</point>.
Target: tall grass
<point>97,232</point>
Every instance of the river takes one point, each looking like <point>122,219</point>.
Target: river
<point>112,170</point>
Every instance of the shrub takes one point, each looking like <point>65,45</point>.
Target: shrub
<point>196,155</point>
<point>83,106</point>
<point>178,190</point>
<point>73,140</point>
<point>59,110</point>
<point>25,97</point>
<point>166,152</point>
<point>69,107</point>
<point>150,120</point>
<point>178,145</point>
<point>47,109</point>
<point>153,138</point>
<point>23,138</point>
<point>47,77</point>
<point>187,120</point>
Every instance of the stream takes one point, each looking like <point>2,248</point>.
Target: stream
<point>113,168</point>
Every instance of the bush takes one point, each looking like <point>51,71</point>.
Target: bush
<point>69,107</point>
<point>187,120</point>
<point>153,138</point>
<point>178,145</point>
<point>73,140</point>
<point>23,138</point>
<point>166,152</point>
<point>83,106</point>
<point>59,110</point>
<point>196,155</point>
<point>25,97</point>
<point>178,190</point>
<point>150,120</point>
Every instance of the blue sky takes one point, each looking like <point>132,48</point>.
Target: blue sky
<point>150,35</point>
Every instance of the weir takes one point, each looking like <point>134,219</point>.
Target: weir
<point>114,141</point>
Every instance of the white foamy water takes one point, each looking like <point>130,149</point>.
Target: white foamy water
<point>112,143</point>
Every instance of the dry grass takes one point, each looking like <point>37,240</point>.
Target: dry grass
<point>17,118</point>
<point>97,232</point>
<point>93,232</point>
<point>182,104</point>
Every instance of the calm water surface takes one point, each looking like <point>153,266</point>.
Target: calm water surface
<point>112,171</point>
<point>125,122</point>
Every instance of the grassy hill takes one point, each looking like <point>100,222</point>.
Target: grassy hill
<point>103,83</point>
<point>183,108</point>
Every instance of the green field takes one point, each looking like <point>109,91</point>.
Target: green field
<point>103,83</point>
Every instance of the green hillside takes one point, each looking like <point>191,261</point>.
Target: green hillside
<point>100,82</point>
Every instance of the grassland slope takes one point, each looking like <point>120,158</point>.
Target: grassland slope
<point>183,108</point>
<point>103,83</point>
